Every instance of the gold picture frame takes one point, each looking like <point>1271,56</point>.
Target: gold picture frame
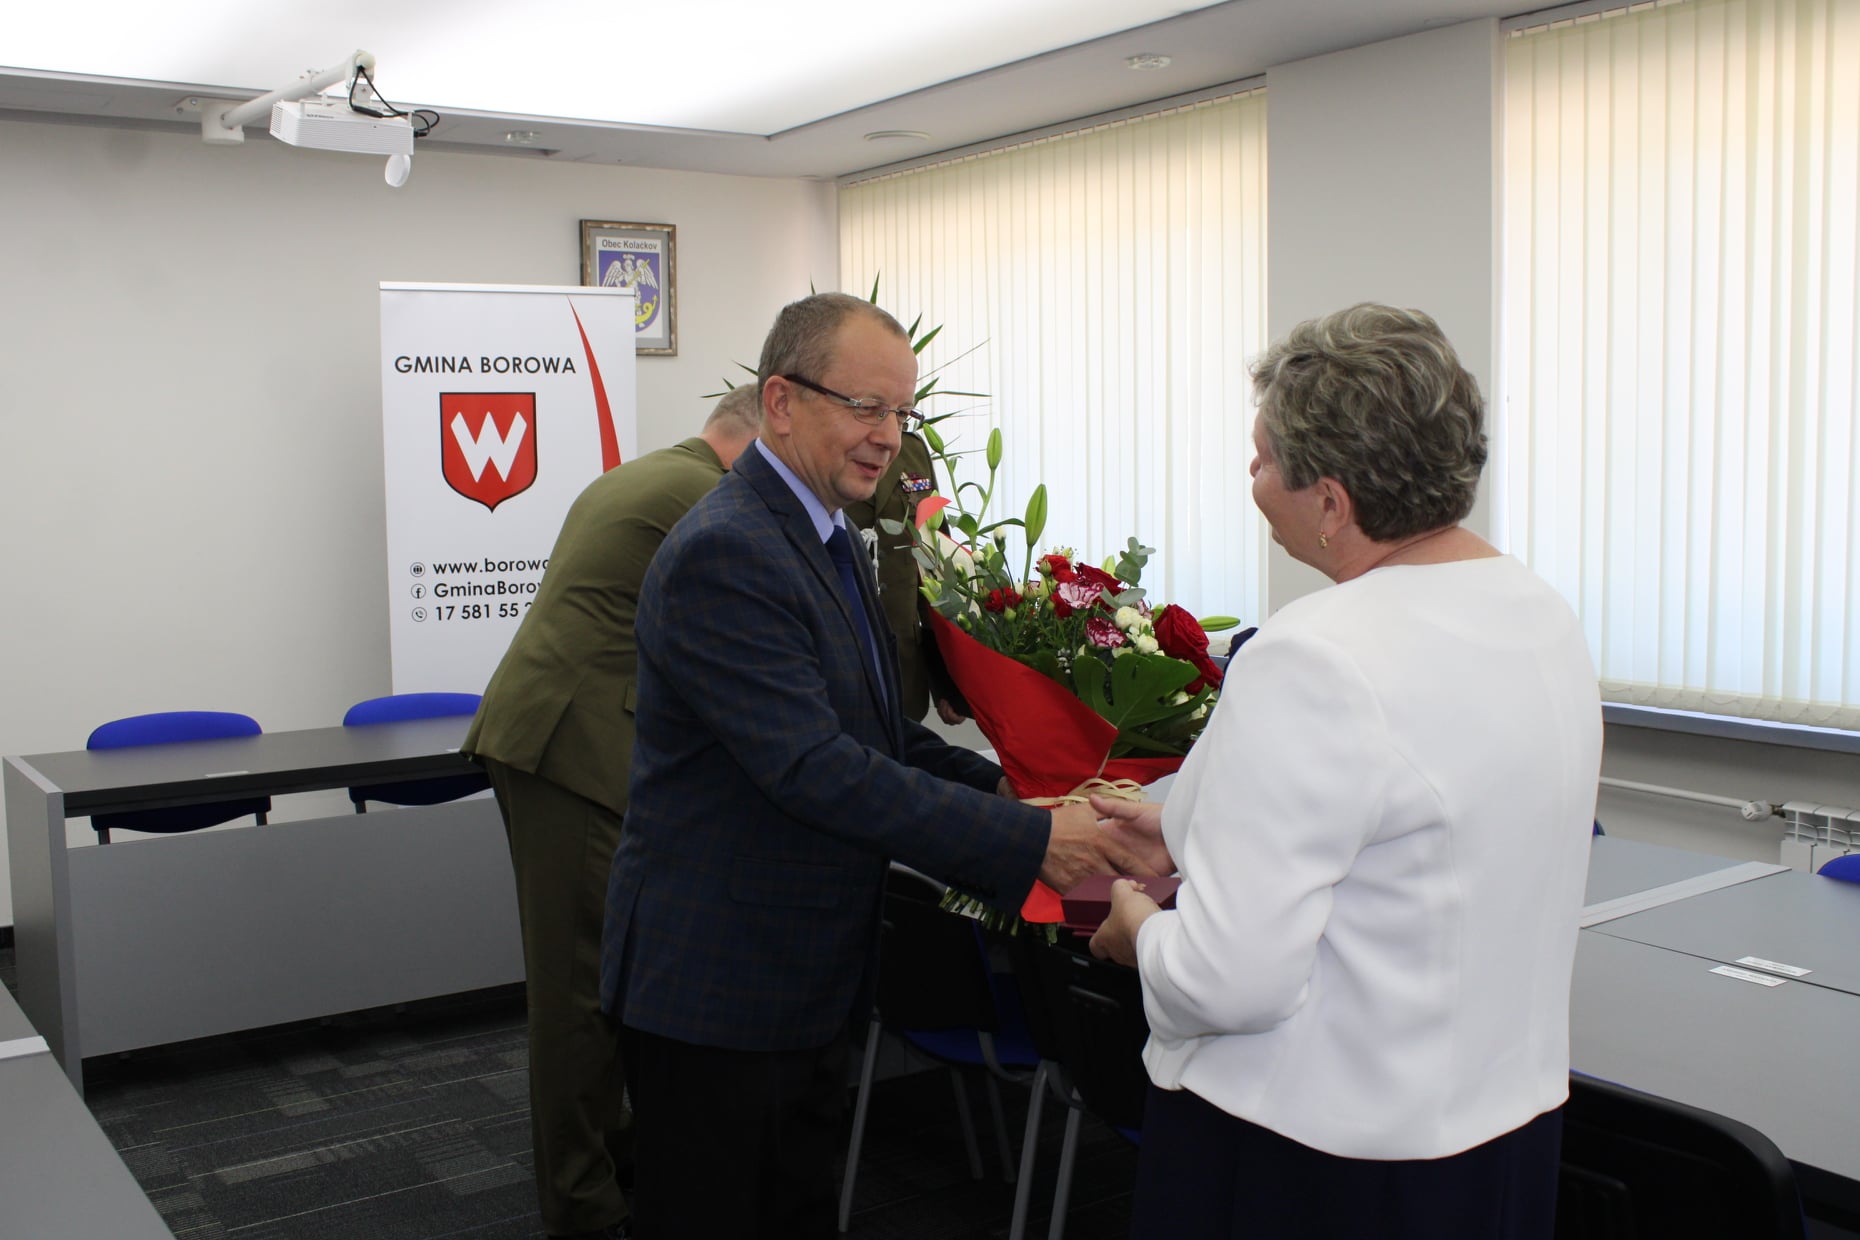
<point>643,257</point>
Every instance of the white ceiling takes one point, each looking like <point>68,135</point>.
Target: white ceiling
<point>724,86</point>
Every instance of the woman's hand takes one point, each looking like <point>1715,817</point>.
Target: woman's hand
<point>1116,939</point>
<point>1137,825</point>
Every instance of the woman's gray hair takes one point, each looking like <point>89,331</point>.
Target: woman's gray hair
<point>801,342</point>
<point>1376,398</point>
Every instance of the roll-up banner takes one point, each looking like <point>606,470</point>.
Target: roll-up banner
<point>499,403</point>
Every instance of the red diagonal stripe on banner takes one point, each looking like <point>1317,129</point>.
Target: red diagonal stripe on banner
<point>610,441</point>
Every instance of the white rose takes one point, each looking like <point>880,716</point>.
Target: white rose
<point>1127,618</point>
<point>1146,644</point>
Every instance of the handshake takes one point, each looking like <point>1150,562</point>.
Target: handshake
<point>1105,837</point>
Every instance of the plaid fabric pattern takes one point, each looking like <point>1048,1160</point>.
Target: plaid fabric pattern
<point>772,782</point>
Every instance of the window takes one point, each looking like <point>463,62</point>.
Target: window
<point>1106,288</point>
<point>1680,322</point>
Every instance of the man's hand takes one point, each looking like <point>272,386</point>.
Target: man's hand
<point>1116,939</point>
<point>1137,825</point>
<point>1078,848</point>
<point>948,713</point>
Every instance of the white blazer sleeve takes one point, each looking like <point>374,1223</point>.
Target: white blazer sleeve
<point>1279,795</point>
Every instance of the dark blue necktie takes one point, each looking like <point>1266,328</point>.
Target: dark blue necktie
<point>840,547</point>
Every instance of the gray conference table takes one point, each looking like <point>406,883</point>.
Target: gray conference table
<point>1799,920</point>
<point>59,1175</point>
<point>1619,867</point>
<point>158,939</point>
<point>1775,1057</point>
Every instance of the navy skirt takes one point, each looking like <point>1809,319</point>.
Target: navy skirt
<point>1206,1175</point>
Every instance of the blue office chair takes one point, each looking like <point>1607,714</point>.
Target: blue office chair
<point>165,728</point>
<point>1635,1165</point>
<point>1845,867</point>
<point>937,991</point>
<point>396,708</point>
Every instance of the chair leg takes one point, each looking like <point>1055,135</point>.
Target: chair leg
<point>1001,1135</point>
<point>860,1106</point>
<point>968,1125</point>
<point>1062,1190</point>
<point>1029,1152</point>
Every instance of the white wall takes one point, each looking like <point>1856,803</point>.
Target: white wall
<point>191,516</point>
<point>1383,187</point>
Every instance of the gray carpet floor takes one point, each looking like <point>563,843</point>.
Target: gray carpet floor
<point>413,1124</point>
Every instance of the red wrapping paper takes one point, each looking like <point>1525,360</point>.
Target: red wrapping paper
<point>1047,741</point>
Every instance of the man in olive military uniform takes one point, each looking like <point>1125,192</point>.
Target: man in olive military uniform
<point>555,732</point>
<point>910,479</point>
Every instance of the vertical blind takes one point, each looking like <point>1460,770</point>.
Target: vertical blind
<point>1106,288</point>
<point>1681,323</point>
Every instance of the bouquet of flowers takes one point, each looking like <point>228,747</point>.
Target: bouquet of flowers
<point>1078,682</point>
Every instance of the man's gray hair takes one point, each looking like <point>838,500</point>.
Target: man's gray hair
<point>739,412</point>
<point>801,342</point>
<point>1376,398</point>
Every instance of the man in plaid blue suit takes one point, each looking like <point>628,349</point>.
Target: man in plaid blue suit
<point>774,778</point>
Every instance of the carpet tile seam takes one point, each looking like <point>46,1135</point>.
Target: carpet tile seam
<point>353,1201</point>
<point>313,1149</point>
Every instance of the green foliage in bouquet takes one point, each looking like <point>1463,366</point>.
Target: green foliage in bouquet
<point>1089,629</point>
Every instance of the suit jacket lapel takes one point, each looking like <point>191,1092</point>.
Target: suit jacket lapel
<point>798,528</point>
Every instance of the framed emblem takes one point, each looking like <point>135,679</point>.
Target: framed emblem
<point>641,257</point>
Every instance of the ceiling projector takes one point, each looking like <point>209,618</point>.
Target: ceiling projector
<point>332,125</point>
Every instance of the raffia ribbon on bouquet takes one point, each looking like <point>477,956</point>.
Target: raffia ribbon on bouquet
<point>1109,789</point>
<point>966,905</point>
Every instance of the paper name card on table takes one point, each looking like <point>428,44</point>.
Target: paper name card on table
<point>1089,903</point>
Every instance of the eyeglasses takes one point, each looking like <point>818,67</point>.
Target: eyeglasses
<point>866,409</point>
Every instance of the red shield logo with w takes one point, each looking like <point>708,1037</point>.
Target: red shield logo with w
<point>487,444</point>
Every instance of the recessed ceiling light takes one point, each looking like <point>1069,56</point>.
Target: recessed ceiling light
<point>1148,60</point>
<point>522,137</point>
<point>897,135</point>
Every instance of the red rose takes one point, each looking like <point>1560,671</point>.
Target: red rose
<point>995,601</point>
<point>1058,566</point>
<point>1181,637</point>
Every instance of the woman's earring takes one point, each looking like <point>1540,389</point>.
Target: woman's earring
<point>1323,541</point>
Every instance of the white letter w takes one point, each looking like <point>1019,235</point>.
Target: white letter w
<point>489,447</point>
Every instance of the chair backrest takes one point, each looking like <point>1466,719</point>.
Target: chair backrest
<point>168,727</point>
<point>1636,1166</point>
<point>398,706</point>
<point>165,727</point>
<point>1845,867</point>
<point>933,973</point>
<point>1102,1032</point>
<point>1088,1015</point>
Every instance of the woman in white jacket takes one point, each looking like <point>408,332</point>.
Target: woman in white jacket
<point>1359,1005</point>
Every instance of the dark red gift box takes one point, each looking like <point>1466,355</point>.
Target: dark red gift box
<point>1089,903</point>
